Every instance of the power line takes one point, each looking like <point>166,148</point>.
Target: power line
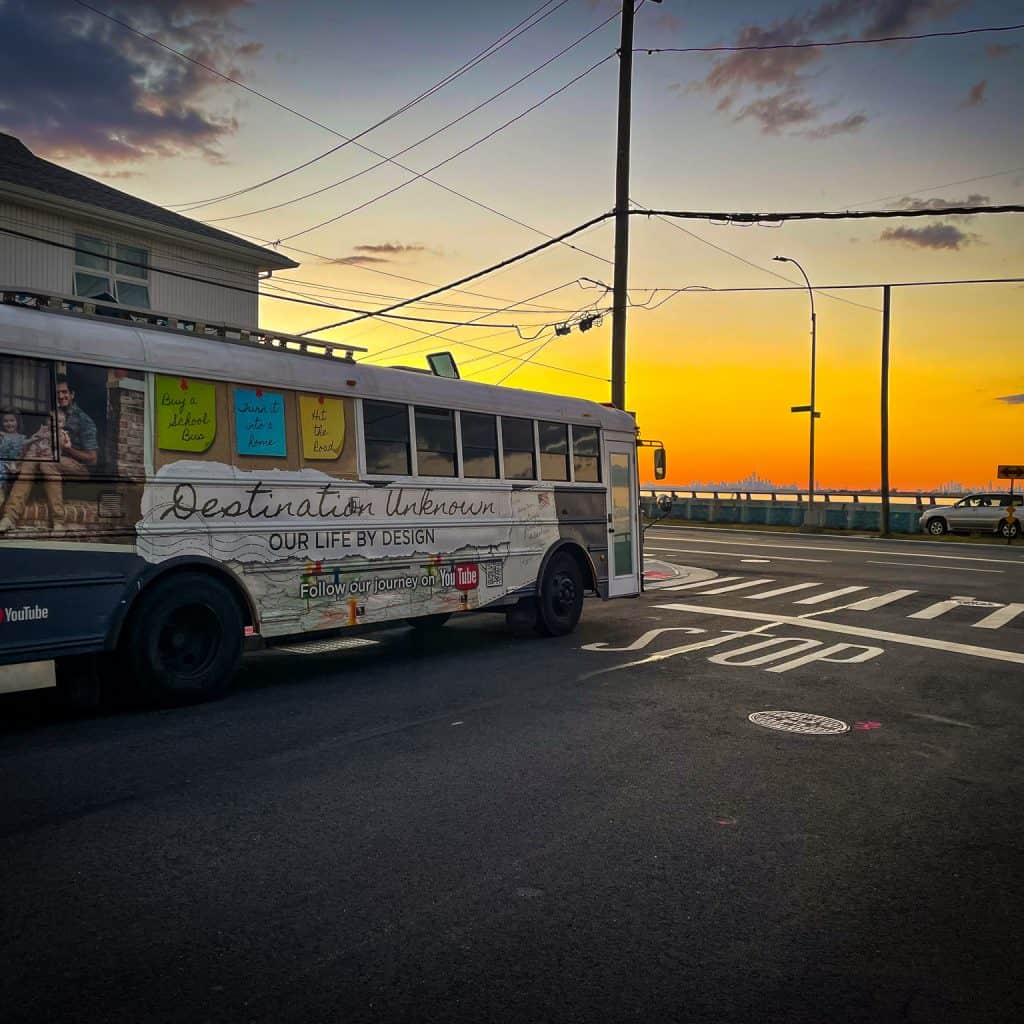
<point>477,274</point>
<point>465,149</point>
<point>238,288</point>
<point>414,145</point>
<point>767,219</point>
<point>319,124</point>
<point>725,218</point>
<point>827,42</point>
<point>348,140</point>
<point>935,188</point>
<point>750,263</point>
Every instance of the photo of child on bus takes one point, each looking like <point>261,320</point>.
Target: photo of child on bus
<point>12,445</point>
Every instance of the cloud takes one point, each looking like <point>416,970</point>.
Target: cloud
<point>976,94</point>
<point>935,203</point>
<point>997,50</point>
<point>1012,399</point>
<point>791,106</point>
<point>932,236</point>
<point>668,22</point>
<point>846,126</point>
<point>358,260</point>
<point>76,85</point>
<point>778,112</point>
<point>390,248</point>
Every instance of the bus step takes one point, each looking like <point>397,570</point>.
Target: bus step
<point>328,646</point>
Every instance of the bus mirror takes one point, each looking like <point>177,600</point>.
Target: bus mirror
<point>659,463</point>
<point>665,503</point>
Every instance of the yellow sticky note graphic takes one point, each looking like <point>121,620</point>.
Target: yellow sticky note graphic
<point>186,414</point>
<point>323,426</point>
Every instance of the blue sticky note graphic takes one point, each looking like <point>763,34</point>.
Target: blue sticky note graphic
<point>259,422</point>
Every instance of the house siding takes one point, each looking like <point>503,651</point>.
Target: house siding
<point>35,265</point>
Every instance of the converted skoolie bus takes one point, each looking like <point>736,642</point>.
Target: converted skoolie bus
<point>170,492</point>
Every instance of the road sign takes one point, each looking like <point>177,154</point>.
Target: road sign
<point>1010,472</point>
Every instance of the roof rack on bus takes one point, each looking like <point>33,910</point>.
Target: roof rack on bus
<point>102,308</point>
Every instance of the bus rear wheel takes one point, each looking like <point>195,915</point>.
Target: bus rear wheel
<point>184,641</point>
<point>560,597</point>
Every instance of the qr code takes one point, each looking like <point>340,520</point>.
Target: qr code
<point>492,574</point>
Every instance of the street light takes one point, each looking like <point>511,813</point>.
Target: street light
<point>810,409</point>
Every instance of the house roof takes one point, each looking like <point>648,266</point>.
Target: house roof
<point>28,173</point>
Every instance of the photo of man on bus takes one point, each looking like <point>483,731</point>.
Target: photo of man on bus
<point>65,447</point>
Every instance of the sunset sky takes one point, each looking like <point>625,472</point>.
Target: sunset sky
<point>712,375</point>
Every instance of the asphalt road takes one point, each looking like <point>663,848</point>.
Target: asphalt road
<point>477,826</point>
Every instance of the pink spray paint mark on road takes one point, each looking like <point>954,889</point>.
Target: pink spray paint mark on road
<point>867,725</point>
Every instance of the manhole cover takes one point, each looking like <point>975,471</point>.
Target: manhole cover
<point>799,721</point>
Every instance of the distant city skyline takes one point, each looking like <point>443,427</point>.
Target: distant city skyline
<point>754,482</point>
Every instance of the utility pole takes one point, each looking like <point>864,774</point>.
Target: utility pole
<point>886,309</point>
<point>620,302</point>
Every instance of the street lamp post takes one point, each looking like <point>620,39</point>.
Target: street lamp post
<point>810,409</point>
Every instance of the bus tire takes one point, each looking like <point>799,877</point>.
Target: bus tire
<point>560,596</point>
<point>428,622</point>
<point>183,642</point>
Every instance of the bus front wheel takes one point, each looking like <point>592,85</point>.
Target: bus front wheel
<point>184,641</point>
<point>560,597</point>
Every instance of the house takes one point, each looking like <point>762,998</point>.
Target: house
<point>118,231</point>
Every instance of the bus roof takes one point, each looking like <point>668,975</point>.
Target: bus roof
<point>39,332</point>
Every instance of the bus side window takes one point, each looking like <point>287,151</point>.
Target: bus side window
<point>479,446</point>
<point>517,448</point>
<point>586,453</point>
<point>435,442</point>
<point>386,436</point>
<point>554,450</point>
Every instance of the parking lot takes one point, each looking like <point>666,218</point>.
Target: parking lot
<point>479,826</point>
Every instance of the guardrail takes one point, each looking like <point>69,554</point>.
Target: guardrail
<point>839,510</point>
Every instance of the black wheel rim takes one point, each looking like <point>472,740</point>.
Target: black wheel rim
<point>563,595</point>
<point>187,641</point>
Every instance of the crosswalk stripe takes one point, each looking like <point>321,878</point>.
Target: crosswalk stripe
<point>737,586</point>
<point>702,583</point>
<point>1000,617</point>
<point>933,611</point>
<point>781,590</point>
<point>822,598</point>
<point>871,603</point>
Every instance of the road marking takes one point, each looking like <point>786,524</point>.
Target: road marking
<point>869,604</point>
<point>835,627</point>
<point>736,586</point>
<point>758,561</point>
<point>822,598</point>
<point>781,590</point>
<point>701,583</point>
<point>738,554</point>
<point>856,551</point>
<point>933,611</point>
<point>1000,617</point>
<point>948,568</point>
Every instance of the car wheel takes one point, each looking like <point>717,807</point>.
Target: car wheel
<point>1008,530</point>
<point>937,526</point>
<point>560,600</point>
<point>427,622</point>
<point>183,642</point>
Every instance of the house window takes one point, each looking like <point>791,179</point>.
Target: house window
<point>108,270</point>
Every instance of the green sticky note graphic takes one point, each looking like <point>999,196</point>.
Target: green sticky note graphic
<point>186,414</point>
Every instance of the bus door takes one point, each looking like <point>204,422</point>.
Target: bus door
<point>623,516</point>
